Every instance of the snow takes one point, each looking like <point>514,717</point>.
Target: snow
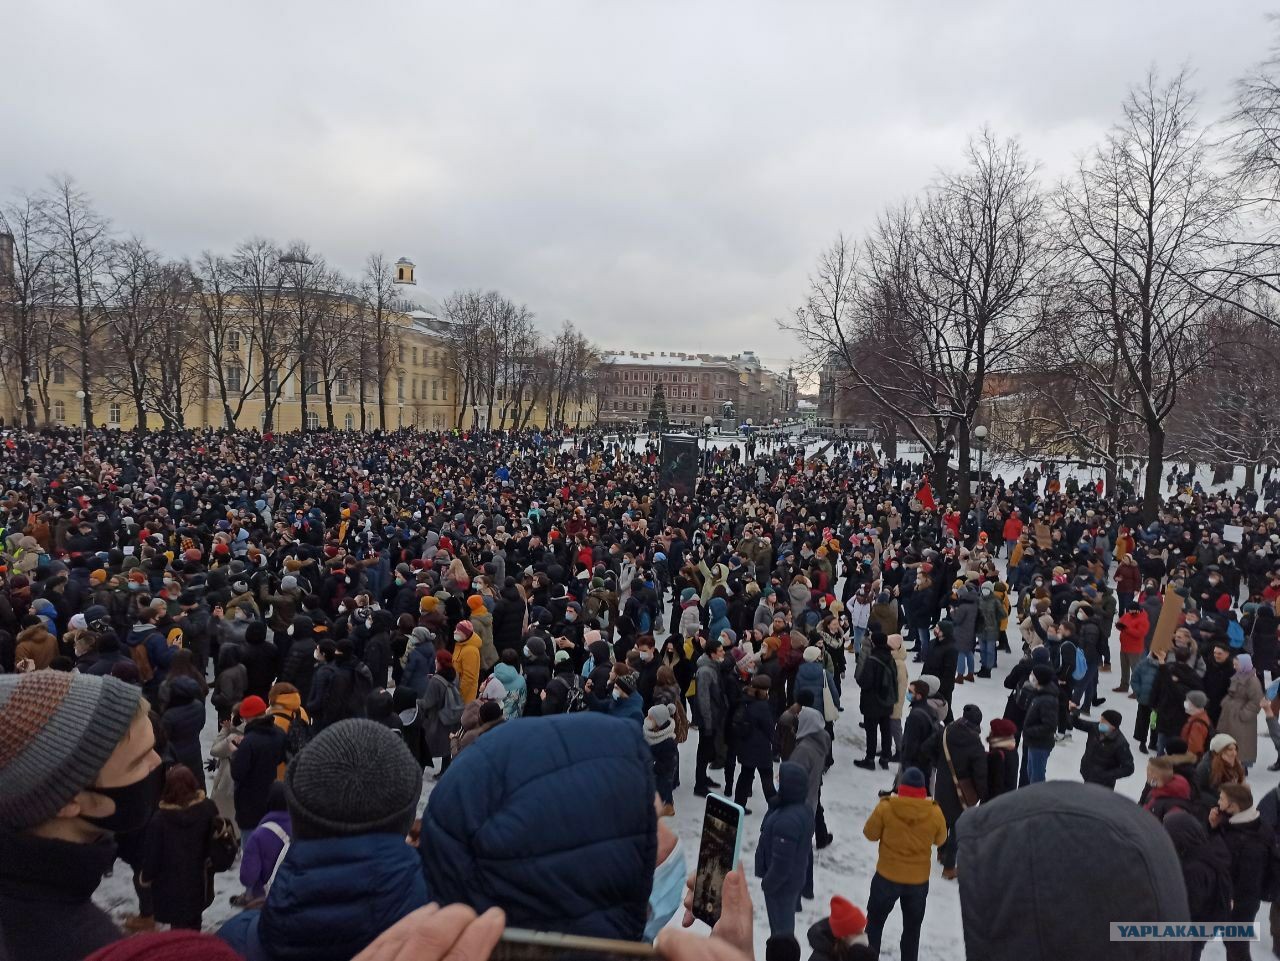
<point>848,795</point>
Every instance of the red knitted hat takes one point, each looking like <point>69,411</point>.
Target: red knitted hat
<point>847,919</point>
<point>252,706</point>
<point>167,946</point>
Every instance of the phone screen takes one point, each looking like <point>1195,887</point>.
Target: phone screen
<point>717,853</point>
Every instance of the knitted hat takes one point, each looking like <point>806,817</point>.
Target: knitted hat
<point>660,715</point>
<point>1003,727</point>
<point>464,628</point>
<point>1114,718</point>
<point>476,603</point>
<point>428,604</point>
<point>627,682</point>
<point>729,637</point>
<point>687,594</point>
<point>932,681</point>
<point>1043,674</point>
<point>847,919</point>
<point>561,657</point>
<point>912,777</point>
<point>537,647</point>
<point>1198,698</point>
<point>251,707</point>
<point>443,659</point>
<point>56,732</point>
<point>354,777</point>
<point>167,946</point>
<point>1220,742</point>
<point>762,682</point>
<point>98,577</point>
<point>812,653</point>
<point>288,583</point>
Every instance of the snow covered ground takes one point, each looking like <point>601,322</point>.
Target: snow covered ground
<point>849,794</point>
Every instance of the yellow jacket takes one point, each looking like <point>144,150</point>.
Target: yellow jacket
<point>466,661</point>
<point>908,829</point>
<point>282,709</point>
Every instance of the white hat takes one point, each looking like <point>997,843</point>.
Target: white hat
<point>811,654</point>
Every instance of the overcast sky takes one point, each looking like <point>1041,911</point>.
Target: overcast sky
<point>662,173</point>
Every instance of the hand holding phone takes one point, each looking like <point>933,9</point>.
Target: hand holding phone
<point>718,855</point>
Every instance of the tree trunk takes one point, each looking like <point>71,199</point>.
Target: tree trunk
<point>940,480</point>
<point>1113,458</point>
<point>29,406</point>
<point>140,412</point>
<point>1155,472</point>
<point>328,403</point>
<point>1250,475</point>
<point>889,432</point>
<point>382,403</point>
<point>964,453</point>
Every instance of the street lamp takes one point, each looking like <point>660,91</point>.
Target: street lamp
<point>706,435</point>
<point>475,417</point>
<point>84,418</point>
<point>401,423</point>
<point>980,441</point>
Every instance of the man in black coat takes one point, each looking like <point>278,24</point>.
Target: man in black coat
<point>1249,839</point>
<point>942,659</point>
<point>919,731</point>
<point>878,684</point>
<point>260,658</point>
<point>255,763</point>
<point>963,763</point>
<point>508,619</point>
<point>754,740</point>
<point>1040,726</point>
<point>1174,680</point>
<point>1107,757</point>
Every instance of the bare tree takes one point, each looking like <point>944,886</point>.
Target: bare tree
<point>28,293</point>
<point>305,279</point>
<point>378,290</point>
<point>1143,222</point>
<point>82,246</point>
<point>223,324</point>
<point>259,289</point>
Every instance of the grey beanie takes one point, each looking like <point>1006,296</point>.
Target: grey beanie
<point>56,732</point>
<point>1199,698</point>
<point>354,777</point>
<point>288,583</point>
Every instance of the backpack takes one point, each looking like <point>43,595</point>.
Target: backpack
<point>1082,666</point>
<point>223,845</point>
<point>645,621</point>
<point>296,738</point>
<point>450,713</point>
<point>1023,697</point>
<point>575,699</point>
<point>740,724</point>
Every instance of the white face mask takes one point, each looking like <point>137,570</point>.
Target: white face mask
<point>289,630</point>
<point>458,638</point>
<point>617,694</point>
<point>1081,616</point>
<point>1189,708</point>
<point>646,655</point>
<point>318,656</point>
<point>368,622</point>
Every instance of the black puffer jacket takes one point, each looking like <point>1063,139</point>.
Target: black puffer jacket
<point>1041,722</point>
<point>1107,757</point>
<point>969,762</point>
<point>1249,841</point>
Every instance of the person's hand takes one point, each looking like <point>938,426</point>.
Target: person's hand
<point>432,933</point>
<point>25,666</point>
<point>1267,709</point>
<point>682,946</point>
<point>736,913</point>
<point>1215,816</point>
<point>588,686</point>
<point>217,611</point>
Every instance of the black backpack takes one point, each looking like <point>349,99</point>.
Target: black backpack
<point>296,738</point>
<point>575,698</point>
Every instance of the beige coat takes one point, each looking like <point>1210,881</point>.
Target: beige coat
<point>900,661</point>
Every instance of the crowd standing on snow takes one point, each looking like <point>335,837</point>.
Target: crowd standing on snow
<point>545,628</point>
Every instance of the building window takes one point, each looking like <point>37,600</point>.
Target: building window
<point>310,381</point>
<point>414,388</point>
<point>113,414</point>
<point>400,387</point>
<point>233,341</point>
<point>444,390</point>
<point>415,357</point>
<point>400,352</point>
<point>344,384</point>
<point>59,411</point>
<point>435,388</point>
<point>59,372</point>
<point>349,422</point>
<point>313,420</point>
<point>234,377</point>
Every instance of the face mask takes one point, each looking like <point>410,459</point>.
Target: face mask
<point>135,803</point>
<point>1189,708</point>
<point>911,696</point>
<point>476,585</point>
<point>1081,616</point>
<point>526,651</point>
<point>101,518</point>
<point>1104,727</point>
<point>368,623</point>
<point>342,608</point>
<point>667,894</point>
<point>135,586</point>
<point>289,630</point>
<point>571,617</point>
<point>399,582</point>
<point>646,655</point>
<point>617,694</point>
<point>458,638</point>
<point>318,656</point>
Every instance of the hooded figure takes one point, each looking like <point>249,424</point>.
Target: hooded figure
<point>1206,866</point>
<point>784,855</point>
<point>507,817</point>
<point>1029,852</point>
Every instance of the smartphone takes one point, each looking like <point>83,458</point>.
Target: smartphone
<point>718,854</point>
<point>518,944</point>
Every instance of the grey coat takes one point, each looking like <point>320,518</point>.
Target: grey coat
<point>812,746</point>
<point>964,615</point>
<point>1239,716</point>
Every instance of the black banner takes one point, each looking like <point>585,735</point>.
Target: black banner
<point>679,464</point>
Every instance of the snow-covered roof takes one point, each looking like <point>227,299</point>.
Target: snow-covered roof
<point>666,360</point>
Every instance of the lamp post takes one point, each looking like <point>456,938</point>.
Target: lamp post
<point>980,441</point>
<point>706,437</point>
<point>84,417</point>
<point>401,421</point>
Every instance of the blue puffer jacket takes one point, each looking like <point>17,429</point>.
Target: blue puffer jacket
<point>784,856</point>
<point>418,667</point>
<point>719,617</point>
<point>507,825</point>
<point>331,898</point>
<point>812,676</point>
<point>1142,680</point>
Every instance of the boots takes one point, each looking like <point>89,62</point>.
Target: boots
<point>969,678</point>
<point>137,923</point>
<point>1105,668</point>
<point>985,672</point>
<point>948,874</point>
<point>1118,690</point>
<point>867,764</point>
<point>959,678</point>
<point>668,811</point>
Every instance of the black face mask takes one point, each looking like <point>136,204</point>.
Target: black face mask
<point>135,803</point>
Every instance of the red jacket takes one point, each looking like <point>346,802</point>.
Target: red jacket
<point>1133,631</point>
<point>1128,578</point>
<point>1013,528</point>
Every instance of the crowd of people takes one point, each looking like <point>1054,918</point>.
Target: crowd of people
<point>544,628</point>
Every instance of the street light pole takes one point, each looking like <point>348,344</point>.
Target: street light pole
<point>84,417</point>
<point>980,441</point>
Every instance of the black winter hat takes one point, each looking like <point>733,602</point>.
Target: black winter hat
<point>354,777</point>
<point>1043,674</point>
